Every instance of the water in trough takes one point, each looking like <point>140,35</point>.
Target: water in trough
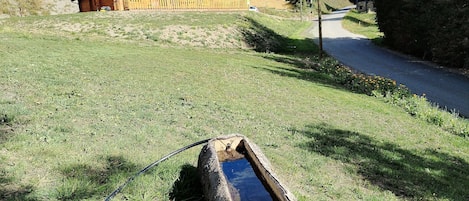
<point>241,175</point>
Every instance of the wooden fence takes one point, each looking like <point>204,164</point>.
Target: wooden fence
<point>180,4</point>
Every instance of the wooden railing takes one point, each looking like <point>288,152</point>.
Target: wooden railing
<point>180,4</point>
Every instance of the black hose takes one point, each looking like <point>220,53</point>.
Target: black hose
<point>115,192</point>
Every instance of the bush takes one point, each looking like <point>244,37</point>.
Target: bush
<point>359,82</point>
<point>431,29</point>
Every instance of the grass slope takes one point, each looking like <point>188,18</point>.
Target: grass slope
<point>83,110</point>
<point>364,24</point>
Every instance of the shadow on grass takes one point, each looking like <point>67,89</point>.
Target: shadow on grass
<point>187,186</point>
<point>294,52</point>
<point>358,21</point>
<point>411,174</point>
<point>302,70</point>
<point>10,190</point>
<point>263,39</point>
<point>310,76</point>
<point>83,181</point>
<point>330,8</point>
<point>379,41</point>
<point>6,127</point>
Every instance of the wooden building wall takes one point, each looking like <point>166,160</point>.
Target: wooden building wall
<point>180,4</point>
<point>94,5</point>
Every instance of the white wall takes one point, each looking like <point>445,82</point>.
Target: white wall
<point>62,6</point>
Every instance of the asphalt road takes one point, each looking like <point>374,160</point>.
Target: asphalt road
<point>448,90</point>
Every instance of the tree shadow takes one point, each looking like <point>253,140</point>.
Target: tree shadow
<point>358,21</point>
<point>330,8</point>
<point>10,190</point>
<point>6,127</point>
<point>411,174</point>
<point>262,39</point>
<point>294,52</point>
<point>308,70</point>
<point>187,187</point>
<point>307,75</point>
<point>83,181</point>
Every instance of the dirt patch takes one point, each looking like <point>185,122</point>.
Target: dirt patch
<point>214,37</point>
<point>5,127</point>
<point>73,27</point>
<point>151,28</point>
<point>5,130</point>
<point>219,36</point>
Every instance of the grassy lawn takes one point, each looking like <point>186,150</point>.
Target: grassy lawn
<point>87,100</point>
<point>363,24</point>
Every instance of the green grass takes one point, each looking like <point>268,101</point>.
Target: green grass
<point>332,5</point>
<point>364,24</point>
<point>81,111</point>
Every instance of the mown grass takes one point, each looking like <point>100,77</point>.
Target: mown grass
<point>83,111</point>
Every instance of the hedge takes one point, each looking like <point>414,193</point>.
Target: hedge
<point>436,30</point>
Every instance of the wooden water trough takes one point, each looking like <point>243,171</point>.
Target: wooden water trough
<point>225,165</point>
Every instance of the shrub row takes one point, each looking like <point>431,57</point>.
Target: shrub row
<point>358,82</point>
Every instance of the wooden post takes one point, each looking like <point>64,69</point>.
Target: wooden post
<point>366,6</point>
<point>320,30</point>
<point>301,10</point>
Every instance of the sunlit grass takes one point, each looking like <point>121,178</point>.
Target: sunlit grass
<point>85,111</point>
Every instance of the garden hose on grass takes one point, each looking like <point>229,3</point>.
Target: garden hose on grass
<point>115,192</point>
